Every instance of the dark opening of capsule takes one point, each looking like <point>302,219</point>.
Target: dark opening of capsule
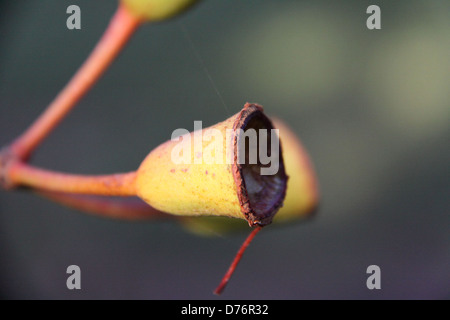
<point>262,193</point>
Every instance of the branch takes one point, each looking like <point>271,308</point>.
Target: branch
<point>122,26</point>
<point>20,174</point>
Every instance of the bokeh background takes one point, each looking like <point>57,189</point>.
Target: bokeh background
<point>371,107</point>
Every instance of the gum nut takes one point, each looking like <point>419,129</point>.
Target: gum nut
<point>208,173</point>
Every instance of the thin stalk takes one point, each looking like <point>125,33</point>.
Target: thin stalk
<point>21,174</point>
<point>236,260</point>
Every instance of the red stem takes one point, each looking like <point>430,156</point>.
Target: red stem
<point>236,260</point>
<point>21,174</point>
<point>121,27</point>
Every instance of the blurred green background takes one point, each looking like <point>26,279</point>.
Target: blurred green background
<point>372,107</point>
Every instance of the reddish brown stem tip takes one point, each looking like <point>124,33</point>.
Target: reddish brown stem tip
<point>236,260</point>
